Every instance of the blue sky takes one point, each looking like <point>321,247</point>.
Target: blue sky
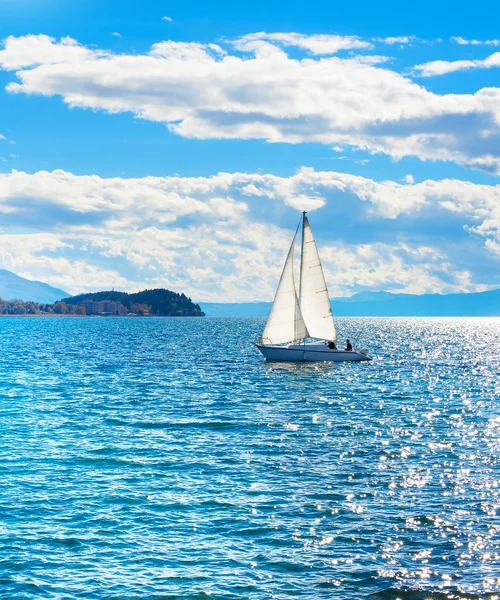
<point>155,144</point>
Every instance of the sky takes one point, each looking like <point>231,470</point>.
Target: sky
<point>160,144</point>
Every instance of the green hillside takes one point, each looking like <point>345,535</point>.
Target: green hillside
<point>159,302</point>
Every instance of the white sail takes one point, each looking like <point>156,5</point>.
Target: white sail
<point>314,298</point>
<point>285,322</point>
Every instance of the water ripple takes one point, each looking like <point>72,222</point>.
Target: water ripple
<point>161,458</point>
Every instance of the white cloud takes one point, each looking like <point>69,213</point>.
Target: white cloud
<point>404,40</point>
<point>398,267</point>
<point>116,34</point>
<point>316,44</point>
<point>39,256</point>
<point>33,50</point>
<point>201,91</point>
<point>401,39</point>
<point>169,19</point>
<point>464,42</point>
<point>224,237</point>
<point>442,67</point>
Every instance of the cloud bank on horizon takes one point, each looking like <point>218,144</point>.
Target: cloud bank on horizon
<point>223,237</point>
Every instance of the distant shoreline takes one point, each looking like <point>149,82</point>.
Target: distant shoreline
<point>69,316</point>
<point>382,304</point>
<point>132,316</point>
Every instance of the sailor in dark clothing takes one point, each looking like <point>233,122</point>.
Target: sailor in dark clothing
<point>348,345</point>
<point>332,346</point>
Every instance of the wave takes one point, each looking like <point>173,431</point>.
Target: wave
<point>416,594</point>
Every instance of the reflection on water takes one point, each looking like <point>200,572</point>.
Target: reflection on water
<point>164,458</point>
<point>300,369</point>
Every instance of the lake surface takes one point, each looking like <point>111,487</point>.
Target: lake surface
<point>162,458</point>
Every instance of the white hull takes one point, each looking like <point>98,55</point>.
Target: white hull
<point>309,353</point>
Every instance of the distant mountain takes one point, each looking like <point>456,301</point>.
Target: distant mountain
<point>382,304</point>
<point>13,287</point>
<point>158,302</point>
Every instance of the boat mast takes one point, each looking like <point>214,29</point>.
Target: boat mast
<point>301,254</point>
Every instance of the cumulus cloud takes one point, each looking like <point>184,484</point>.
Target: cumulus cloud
<point>34,50</point>
<point>224,237</point>
<point>441,67</point>
<point>257,91</point>
<point>168,19</point>
<point>398,267</point>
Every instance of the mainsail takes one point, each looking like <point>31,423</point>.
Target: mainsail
<point>285,322</point>
<point>309,315</point>
<point>313,293</point>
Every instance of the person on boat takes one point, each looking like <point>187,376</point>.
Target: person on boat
<point>331,345</point>
<point>348,345</point>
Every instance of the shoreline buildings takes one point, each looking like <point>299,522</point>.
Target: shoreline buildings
<point>101,307</point>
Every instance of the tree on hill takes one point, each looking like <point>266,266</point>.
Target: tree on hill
<point>141,309</point>
<point>60,308</point>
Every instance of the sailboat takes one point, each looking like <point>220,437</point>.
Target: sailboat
<point>300,326</point>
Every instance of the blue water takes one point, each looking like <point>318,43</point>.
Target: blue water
<point>162,458</point>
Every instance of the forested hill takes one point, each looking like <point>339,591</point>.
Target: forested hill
<point>158,302</point>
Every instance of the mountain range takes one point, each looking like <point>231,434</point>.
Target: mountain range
<point>373,304</point>
<point>382,304</point>
<point>14,287</point>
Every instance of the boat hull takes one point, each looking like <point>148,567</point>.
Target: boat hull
<point>309,353</point>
